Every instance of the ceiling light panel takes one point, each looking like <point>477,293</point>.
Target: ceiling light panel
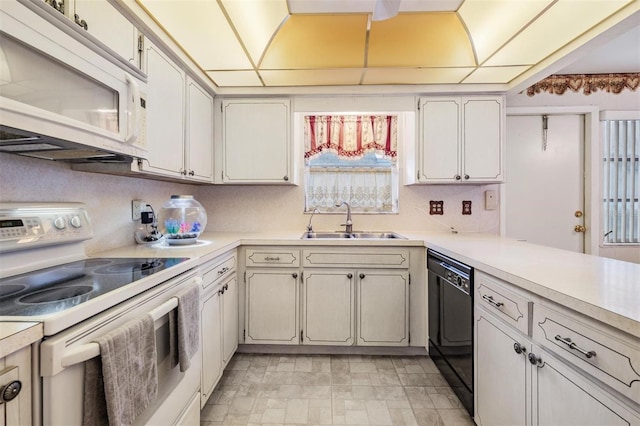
<point>495,74</point>
<point>202,30</point>
<point>323,77</point>
<point>415,75</point>
<point>430,5</point>
<point>235,78</point>
<point>331,6</point>
<point>491,23</point>
<point>559,25</point>
<point>256,21</point>
<point>318,41</point>
<point>420,40</point>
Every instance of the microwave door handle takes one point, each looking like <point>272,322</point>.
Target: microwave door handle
<point>133,110</point>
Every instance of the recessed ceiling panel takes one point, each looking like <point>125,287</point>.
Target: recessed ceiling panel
<point>495,74</point>
<point>235,78</point>
<point>318,41</point>
<point>256,21</point>
<point>325,77</point>
<point>415,75</point>
<point>563,22</point>
<point>491,23</point>
<point>367,6</point>
<point>420,40</point>
<point>202,30</point>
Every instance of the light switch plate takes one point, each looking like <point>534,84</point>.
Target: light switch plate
<point>490,200</point>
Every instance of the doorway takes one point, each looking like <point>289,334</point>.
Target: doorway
<point>544,193</point>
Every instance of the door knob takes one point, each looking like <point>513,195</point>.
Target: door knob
<point>579,228</point>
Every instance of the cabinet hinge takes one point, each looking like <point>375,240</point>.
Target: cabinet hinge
<point>409,279</point>
<point>301,335</point>
<point>244,335</point>
<point>140,43</point>
<point>245,277</point>
<point>418,104</point>
<point>409,338</point>
<point>220,106</point>
<point>222,175</point>
<point>301,277</point>
<point>418,175</point>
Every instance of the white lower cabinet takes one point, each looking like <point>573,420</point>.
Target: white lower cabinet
<point>382,304</point>
<point>229,319</point>
<point>328,307</point>
<point>356,296</point>
<point>211,339</point>
<point>522,380</point>
<point>219,320</point>
<point>272,306</point>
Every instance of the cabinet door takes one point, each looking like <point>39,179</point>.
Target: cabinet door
<point>110,27</point>
<point>328,307</point>
<point>382,301</point>
<point>165,121</point>
<point>256,141</point>
<point>482,139</point>
<point>229,319</point>
<point>211,342</point>
<point>501,374</point>
<point>199,138</point>
<point>564,397</point>
<point>439,139</point>
<point>272,307</point>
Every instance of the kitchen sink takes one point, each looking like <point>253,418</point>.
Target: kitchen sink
<point>353,235</point>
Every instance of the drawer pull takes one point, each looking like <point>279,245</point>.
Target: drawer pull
<point>223,270</point>
<point>567,341</point>
<point>272,259</point>
<point>493,302</point>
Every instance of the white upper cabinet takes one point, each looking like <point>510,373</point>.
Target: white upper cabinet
<point>460,139</point>
<point>255,141</point>
<point>109,26</point>
<point>179,122</point>
<point>165,120</point>
<point>199,137</point>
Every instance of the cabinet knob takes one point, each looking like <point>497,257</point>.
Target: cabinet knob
<point>294,275</point>
<point>349,276</point>
<point>286,178</point>
<point>520,349</point>
<point>10,390</point>
<point>535,360</point>
<point>579,228</point>
<point>362,276</point>
<point>457,177</point>
<point>466,177</point>
<point>192,173</point>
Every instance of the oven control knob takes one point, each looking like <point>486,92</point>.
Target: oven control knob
<point>75,222</point>
<point>59,223</point>
<point>10,390</point>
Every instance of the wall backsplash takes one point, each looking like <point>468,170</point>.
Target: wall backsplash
<point>229,208</point>
<point>108,198</point>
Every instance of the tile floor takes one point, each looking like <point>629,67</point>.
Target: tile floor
<point>262,389</point>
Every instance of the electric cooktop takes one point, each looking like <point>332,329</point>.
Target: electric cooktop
<point>57,288</point>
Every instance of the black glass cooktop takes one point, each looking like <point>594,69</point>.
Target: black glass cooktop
<point>64,286</point>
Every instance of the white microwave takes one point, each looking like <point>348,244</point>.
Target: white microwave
<point>61,100</point>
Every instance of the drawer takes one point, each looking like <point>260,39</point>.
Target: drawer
<point>272,257</point>
<point>216,269</point>
<point>508,305</point>
<point>609,356</point>
<point>361,258</point>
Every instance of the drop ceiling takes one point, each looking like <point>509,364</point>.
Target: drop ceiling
<point>308,43</point>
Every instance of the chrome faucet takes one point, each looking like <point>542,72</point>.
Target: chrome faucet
<point>348,223</point>
<point>309,227</point>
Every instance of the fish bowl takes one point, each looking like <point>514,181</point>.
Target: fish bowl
<point>182,219</point>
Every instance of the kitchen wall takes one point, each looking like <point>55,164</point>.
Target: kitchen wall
<point>108,198</point>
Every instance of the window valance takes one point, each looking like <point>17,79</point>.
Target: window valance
<point>351,136</point>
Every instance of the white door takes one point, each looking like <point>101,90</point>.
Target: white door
<point>211,341</point>
<point>229,319</point>
<point>544,189</point>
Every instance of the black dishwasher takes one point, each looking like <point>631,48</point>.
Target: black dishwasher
<point>450,288</point>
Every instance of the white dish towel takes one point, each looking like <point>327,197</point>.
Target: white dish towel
<point>129,379</point>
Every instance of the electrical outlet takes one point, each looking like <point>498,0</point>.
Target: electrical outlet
<point>490,200</point>
<point>137,206</point>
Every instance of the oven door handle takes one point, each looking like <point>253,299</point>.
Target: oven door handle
<point>91,350</point>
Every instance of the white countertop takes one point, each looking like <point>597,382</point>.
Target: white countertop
<point>604,289</point>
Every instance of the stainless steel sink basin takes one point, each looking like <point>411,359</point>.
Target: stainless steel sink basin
<point>353,235</point>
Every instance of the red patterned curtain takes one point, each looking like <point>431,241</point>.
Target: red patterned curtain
<point>351,136</point>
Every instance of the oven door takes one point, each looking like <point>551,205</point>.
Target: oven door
<point>62,356</point>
